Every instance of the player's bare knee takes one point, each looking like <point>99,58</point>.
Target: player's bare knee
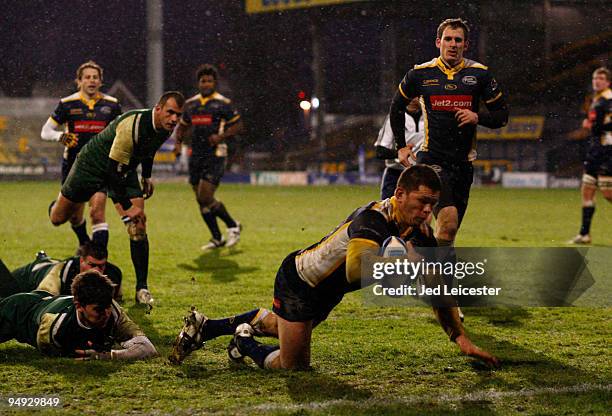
<point>589,181</point>
<point>97,215</point>
<point>136,232</point>
<point>605,185</point>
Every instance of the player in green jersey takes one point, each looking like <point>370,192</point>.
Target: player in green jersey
<point>110,160</point>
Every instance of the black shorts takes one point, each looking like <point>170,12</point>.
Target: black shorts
<point>456,178</point>
<point>66,165</point>
<point>296,301</point>
<point>598,161</point>
<point>209,169</point>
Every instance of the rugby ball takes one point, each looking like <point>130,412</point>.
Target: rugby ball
<point>393,247</point>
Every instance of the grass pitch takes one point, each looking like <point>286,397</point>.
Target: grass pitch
<point>366,360</point>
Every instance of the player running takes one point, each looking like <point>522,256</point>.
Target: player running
<point>110,160</point>
<point>210,119</point>
<point>76,119</point>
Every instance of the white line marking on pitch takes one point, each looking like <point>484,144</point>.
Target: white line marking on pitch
<point>443,398</point>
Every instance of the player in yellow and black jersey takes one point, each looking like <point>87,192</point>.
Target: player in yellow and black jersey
<point>598,161</point>
<point>311,282</point>
<point>210,119</point>
<point>75,120</point>
<point>450,89</point>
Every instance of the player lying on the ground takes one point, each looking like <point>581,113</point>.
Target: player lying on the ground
<point>109,161</point>
<point>311,282</point>
<point>55,276</point>
<point>85,325</point>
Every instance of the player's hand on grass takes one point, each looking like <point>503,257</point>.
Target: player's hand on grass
<point>468,348</point>
<point>405,154</point>
<point>465,117</point>
<point>91,354</point>
<point>69,140</point>
<point>147,187</point>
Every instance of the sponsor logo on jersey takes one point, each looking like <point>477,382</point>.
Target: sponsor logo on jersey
<point>469,80</point>
<point>106,110</point>
<point>450,87</point>
<point>450,102</point>
<point>431,82</point>
<point>76,111</point>
<point>202,120</point>
<point>90,126</point>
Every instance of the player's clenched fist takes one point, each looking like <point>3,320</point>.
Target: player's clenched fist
<point>69,140</point>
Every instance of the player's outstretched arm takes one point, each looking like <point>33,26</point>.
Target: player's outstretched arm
<point>137,348</point>
<point>448,317</point>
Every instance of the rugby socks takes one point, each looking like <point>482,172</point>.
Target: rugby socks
<point>99,234</point>
<point>257,351</point>
<point>211,221</point>
<point>140,258</point>
<point>587,217</point>
<point>216,327</point>
<point>220,211</point>
<point>81,232</point>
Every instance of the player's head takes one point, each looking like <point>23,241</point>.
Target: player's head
<point>452,38</point>
<point>416,194</point>
<point>89,78</point>
<point>168,110</point>
<point>601,79</point>
<point>206,76</point>
<point>93,295</point>
<point>92,256</point>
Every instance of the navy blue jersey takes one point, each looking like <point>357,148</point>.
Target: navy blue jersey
<point>208,115</point>
<point>600,116</point>
<point>443,91</point>
<point>85,117</point>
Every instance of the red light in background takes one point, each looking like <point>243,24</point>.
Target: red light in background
<point>301,95</point>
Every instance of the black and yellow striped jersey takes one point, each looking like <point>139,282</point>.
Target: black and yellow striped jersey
<point>208,115</point>
<point>600,116</point>
<point>443,91</point>
<point>85,117</point>
<point>323,265</point>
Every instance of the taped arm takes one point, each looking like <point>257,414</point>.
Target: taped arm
<point>137,348</point>
<point>51,131</point>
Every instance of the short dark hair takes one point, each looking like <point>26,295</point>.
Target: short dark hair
<point>89,64</point>
<point>93,249</point>
<point>417,175</point>
<point>454,23</point>
<point>92,288</point>
<point>602,70</point>
<point>207,69</point>
<point>177,95</point>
